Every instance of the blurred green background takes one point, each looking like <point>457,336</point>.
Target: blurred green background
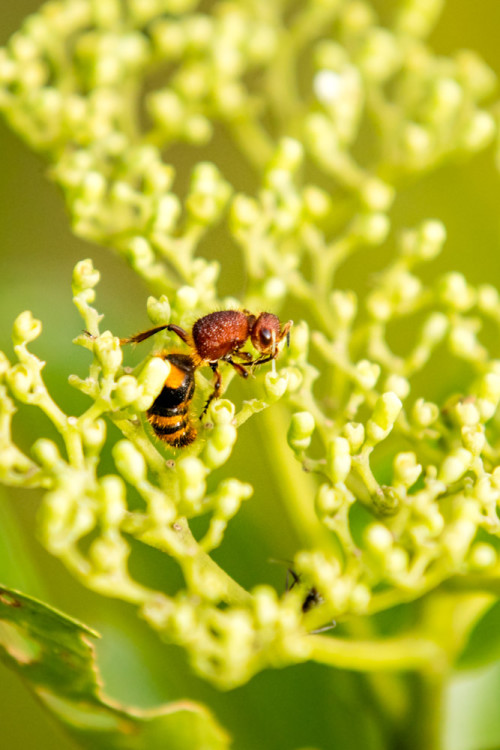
<point>306,706</point>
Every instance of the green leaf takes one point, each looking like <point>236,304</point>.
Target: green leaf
<point>483,646</point>
<point>55,656</point>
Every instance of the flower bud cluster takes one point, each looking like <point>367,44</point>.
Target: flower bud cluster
<point>403,480</point>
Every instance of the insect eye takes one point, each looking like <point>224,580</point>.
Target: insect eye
<point>266,336</point>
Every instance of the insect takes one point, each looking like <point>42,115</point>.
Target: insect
<point>169,414</point>
<point>312,597</point>
<point>220,335</point>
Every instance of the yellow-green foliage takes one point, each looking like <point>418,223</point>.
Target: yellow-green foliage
<point>330,112</point>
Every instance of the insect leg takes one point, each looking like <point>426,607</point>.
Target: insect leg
<point>217,387</point>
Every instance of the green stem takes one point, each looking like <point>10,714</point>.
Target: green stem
<point>297,489</point>
<point>400,653</point>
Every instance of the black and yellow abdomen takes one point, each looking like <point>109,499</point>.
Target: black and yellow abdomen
<point>169,415</point>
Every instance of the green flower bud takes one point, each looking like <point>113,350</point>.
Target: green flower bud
<point>22,382</point>
<point>129,462</point>
<point>398,384</point>
<point>387,409</point>
<point>219,447</point>
<point>355,434</point>
<point>418,143</point>
<point>378,538</point>
<point>474,439</point>
<point>93,435</point>
<point>230,494</point>
<point>158,310</point>
<point>300,430</point>
<point>482,556</point>
<point>377,195</point>
<point>245,211</point>
<point>344,305</point>
<point>223,436</point>
<point>299,341</point>
<point>151,381</point>
<point>26,328</point>
<point>379,306</point>
<point>4,364</point>
<point>275,385</point>
<point>317,202</point>
<point>113,504</point>
<point>47,453</point>
<point>108,351</point>
<point>266,606</point>
<point>289,155</point>
<point>109,553</point>
<point>457,539</point>
<point>479,131</point>
<point>467,413</point>
<point>186,298</point>
<point>140,253</point>
<point>221,411</point>
<point>463,342</point>
<point>488,395</point>
<point>455,292</point>
<point>488,299</point>
<point>435,328</point>
<point>360,598</point>
<point>126,391</point>
<point>84,276</point>
<point>274,289</point>
<point>424,413</point>
<point>371,228</point>
<point>426,242</point>
<point>93,187</point>
<point>192,473</point>
<point>397,561</point>
<point>455,465</point>
<point>367,374</point>
<point>338,459</point>
<point>406,469</point>
<point>329,500</point>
